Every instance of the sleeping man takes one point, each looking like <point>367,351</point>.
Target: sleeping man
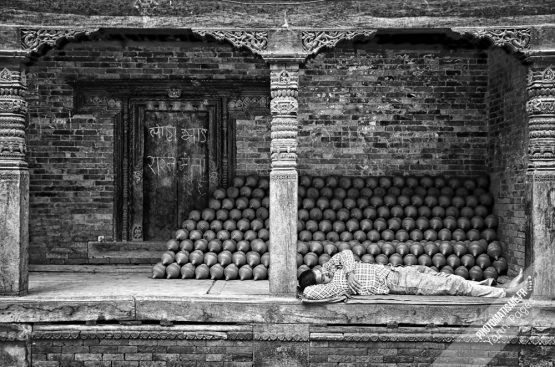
<point>342,276</point>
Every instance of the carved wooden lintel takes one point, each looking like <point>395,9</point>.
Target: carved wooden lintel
<point>517,39</point>
<point>314,41</point>
<point>256,41</point>
<point>33,40</point>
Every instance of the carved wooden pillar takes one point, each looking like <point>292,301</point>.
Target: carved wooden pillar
<point>541,154</point>
<point>14,178</point>
<point>283,178</point>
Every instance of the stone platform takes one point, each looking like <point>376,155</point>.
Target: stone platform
<point>100,294</point>
<point>118,316</point>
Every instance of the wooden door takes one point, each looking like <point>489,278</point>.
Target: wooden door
<point>175,153</point>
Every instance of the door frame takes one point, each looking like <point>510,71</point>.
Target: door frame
<point>135,153</point>
<point>116,95</point>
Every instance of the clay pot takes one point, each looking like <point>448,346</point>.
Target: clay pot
<point>447,269</point>
<point>239,258</point>
<point>245,272</point>
<point>462,272</point>
<point>201,245</point>
<point>253,258</point>
<point>490,272</point>
<point>483,261</point>
<point>475,273</point>
<point>188,271</point>
<point>224,258</point>
<point>216,272</point>
<point>453,261</point>
<point>186,245</point>
<point>259,246</point>
<point>459,249</point>
<point>182,258</point>
<point>410,259</point>
<point>468,261</point>
<point>416,249</point>
<point>431,249</point>
<point>215,246</point>
<point>265,259</point>
<point>396,259</point>
<point>260,272</point>
<point>424,260</point>
<point>438,260</point>
<point>167,258</point>
<point>231,272</point>
<point>158,271</point>
<point>367,258</point>
<point>229,245</point>
<point>316,247</point>
<point>310,259</point>
<point>494,250</point>
<point>202,272</point>
<point>381,259</point>
<point>243,246</point>
<point>402,249</point>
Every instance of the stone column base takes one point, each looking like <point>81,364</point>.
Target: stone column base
<point>14,229</point>
<point>283,233</point>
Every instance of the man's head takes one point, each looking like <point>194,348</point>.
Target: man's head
<point>312,277</point>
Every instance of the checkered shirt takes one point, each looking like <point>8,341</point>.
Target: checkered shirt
<point>371,276</point>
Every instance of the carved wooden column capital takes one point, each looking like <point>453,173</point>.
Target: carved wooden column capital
<point>13,112</point>
<point>284,106</point>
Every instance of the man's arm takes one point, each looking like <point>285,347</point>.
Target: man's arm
<point>323,291</point>
<point>345,258</point>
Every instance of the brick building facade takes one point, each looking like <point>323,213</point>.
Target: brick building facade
<point>284,89</point>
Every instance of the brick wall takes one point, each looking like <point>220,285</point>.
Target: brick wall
<point>71,160</point>
<point>507,150</point>
<point>379,110</point>
<point>141,353</point>
<point>324,346</point>
<point>365,109</point>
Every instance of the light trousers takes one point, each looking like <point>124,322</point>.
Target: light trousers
<point>409,280</point>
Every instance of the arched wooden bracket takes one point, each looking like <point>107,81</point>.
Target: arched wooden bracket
<point>34,40</point>
<point>516,39</point>
<point>256,41</point>
<point>314,41</point>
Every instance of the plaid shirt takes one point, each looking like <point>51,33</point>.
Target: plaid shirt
<point>371,276</point>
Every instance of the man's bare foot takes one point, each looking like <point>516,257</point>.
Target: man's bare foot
<point>514,282</point>
<point>524,289</point>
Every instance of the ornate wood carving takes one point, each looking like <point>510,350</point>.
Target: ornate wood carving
<point>256,41</point>
<point>156,334</point>
<point>541,111</point>
<point>34,39</point>
<point>313,41</point>
<point>246,103</point>
<point>13,111</point>
<point>517,39</point>
<point>284,107</point>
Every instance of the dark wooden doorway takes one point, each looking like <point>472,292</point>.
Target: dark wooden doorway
<point>176,159</point>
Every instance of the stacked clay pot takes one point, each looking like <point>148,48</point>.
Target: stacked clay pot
<point>228,240</point>
<point>442,223</point>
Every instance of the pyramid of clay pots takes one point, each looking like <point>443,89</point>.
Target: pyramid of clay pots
<point>228,240</point>
<point>443,223</point>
